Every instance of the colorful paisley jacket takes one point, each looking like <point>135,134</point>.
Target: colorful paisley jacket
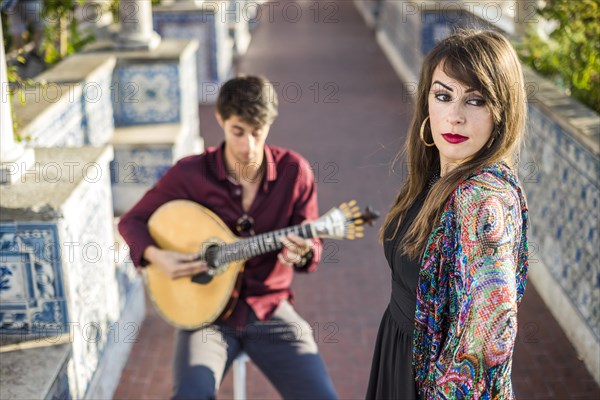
<point>471,282</point>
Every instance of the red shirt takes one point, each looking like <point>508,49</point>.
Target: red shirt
<point>287,196</point>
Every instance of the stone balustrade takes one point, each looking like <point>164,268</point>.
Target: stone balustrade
<point>103,126</point>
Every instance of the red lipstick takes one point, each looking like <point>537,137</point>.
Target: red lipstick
<point>454,138</point>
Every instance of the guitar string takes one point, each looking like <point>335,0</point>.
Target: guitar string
<point>260,244</point>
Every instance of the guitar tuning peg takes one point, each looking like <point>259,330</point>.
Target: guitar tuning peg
<point>352,203</point>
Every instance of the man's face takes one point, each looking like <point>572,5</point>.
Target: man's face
<point>244,143</point>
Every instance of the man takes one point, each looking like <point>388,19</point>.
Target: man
<point>254,188</point>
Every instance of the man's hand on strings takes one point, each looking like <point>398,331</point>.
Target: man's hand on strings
<point>294,249</point>
<point>174,264</point>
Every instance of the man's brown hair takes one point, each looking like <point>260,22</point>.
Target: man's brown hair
<point>252,98</point>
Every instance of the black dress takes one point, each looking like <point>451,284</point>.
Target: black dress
<point>392,374</point>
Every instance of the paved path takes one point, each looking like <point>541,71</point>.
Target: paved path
<point>348,121</point>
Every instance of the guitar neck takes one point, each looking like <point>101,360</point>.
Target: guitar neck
<point>247,248</point>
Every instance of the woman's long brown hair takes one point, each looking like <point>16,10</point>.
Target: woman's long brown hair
<point>484,60</point>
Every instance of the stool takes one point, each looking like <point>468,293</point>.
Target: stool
<point>239,376</point>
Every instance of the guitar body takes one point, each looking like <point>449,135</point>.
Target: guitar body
<point>187,227</point>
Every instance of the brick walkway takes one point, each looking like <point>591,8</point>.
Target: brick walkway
<point>348,121</point>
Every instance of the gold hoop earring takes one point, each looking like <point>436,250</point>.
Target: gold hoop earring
<point>422,131</point>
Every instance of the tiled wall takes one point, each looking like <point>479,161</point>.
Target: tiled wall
<point>560,177</point>
<point>31,279</point>
<point>69,113</point>
<point>97,108</point>
<point>92,289</point>
<point>56,263</point>
<point>142,166</point>
<point>399,20</point>
<point>66,274</point>
<point>215,51</point>
<point>62,121</point>
<point>154,94</point>
<point>145,94</point>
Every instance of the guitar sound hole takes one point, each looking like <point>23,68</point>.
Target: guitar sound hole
<point>210,256</point>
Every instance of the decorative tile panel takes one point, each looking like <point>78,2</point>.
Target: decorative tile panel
<point>134,171</point>
<point>197,28</point>
<point>92,287</point>
<point>214,55</point>
<point>31,281</point>
<point>61,127</point>
<point>58,276</point>
<point>98,109</point>
<point>140,166</point>
<point>560,177</point>
<point>145,94</point>
<point>87,78</point>
<point>126,273</point>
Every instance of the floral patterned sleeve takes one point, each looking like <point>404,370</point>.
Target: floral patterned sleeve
<point>475,360</point>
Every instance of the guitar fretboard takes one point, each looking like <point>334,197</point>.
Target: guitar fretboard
<point>259,244</point>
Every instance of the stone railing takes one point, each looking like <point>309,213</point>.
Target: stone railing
<point>101,127</point>
<point>559,169</point>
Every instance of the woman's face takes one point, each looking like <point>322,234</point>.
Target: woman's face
<point>461,122</point>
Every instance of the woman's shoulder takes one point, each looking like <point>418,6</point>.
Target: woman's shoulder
<point>487,203</point>
<point>494,186</point>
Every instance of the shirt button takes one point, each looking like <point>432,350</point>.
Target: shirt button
<point>238,192</point>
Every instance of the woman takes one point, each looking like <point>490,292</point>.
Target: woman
<point>456,237</point>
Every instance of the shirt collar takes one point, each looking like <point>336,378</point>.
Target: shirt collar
<point>271,172</point>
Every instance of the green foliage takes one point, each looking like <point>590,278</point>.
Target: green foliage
<point>61,33</point>
<point>5,35</point>
<point>570,56</point>
<point>16,83</point>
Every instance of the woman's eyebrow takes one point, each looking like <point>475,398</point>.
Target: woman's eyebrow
<point>445,86</point>
<point>469,90</point>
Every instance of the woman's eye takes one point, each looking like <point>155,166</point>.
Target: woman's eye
<point>443,97</point>
<point>476,102</point>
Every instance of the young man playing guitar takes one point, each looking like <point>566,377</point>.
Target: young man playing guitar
<point>253,188</point>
